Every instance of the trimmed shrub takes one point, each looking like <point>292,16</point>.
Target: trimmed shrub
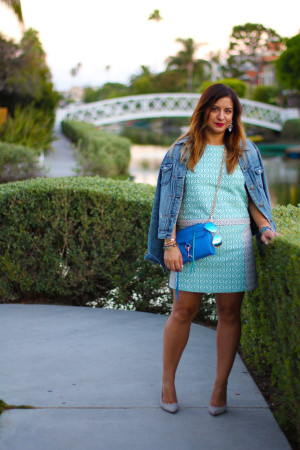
<point>239,87</point>
<point>147,136</point>
<point>82,241</point>
<point>74,240</point>
<point>100,153</point>
<point>291,130</point>
<point>271,335</point>
<point>30,127</point>
<point>266,94</point>
<point>17,162</point>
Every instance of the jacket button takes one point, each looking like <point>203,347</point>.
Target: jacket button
<point>251,187</point>
<point>261,204</point>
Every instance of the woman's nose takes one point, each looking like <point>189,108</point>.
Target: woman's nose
<point>221,114</point>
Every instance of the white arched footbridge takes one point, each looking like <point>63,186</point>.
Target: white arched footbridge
<point>149,106</point>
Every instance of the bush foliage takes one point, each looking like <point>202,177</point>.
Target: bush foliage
<point>30,127</point>
<point>266,94</point>
<point>100,153</point>
<point>271,336</point>
<point>18,162</point>
<point>74,240</point>
<point>291,130</point>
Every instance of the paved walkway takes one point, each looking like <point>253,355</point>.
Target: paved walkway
<point>60,162</point>
<point>94,377</point>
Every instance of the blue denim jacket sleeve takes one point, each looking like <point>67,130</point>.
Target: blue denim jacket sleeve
<point>167,202</point>
<point>155,245</point>
<point>256,183</point>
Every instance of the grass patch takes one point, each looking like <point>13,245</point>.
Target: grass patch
<point>4,406</point>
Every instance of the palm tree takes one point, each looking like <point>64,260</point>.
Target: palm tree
<point>185,59</point>
<point>15,5</point>
<point>74,71</point>
<point>155,16</point>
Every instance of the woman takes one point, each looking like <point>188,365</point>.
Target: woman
<point>185,194</point>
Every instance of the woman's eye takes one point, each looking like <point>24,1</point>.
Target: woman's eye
<point>214,108</point>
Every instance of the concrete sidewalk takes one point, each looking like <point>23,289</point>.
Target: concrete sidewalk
<point>60,162</point>
<point>94,377</point>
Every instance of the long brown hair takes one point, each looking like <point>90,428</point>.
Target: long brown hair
<point>197,140</point>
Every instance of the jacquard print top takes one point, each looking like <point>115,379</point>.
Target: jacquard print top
<point>200,189</point>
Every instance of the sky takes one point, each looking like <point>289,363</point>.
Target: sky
<point>117,33</point>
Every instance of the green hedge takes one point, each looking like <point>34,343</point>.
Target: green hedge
<point>266,94</point>
<point>100,153</point>
<point>81,240</point>
<point>291,130</point>
<point>18,162</point>
<point>74,240</point>
<point>271,316</point>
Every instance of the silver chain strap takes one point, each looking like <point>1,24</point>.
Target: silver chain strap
<point>218,185</point>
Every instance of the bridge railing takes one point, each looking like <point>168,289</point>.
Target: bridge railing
<point>149,106</point>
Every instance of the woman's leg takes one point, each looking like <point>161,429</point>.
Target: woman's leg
<point>176,335</point>
<point>228,337</point>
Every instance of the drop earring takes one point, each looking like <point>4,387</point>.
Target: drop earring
<point>230,128</point>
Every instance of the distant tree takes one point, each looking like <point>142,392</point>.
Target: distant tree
<point>142,82</point>
<point>185,59</point>
<point>15,5</point>
<point>24,75</point>
<point>248,43</point>
<point>170,81</point>
<point>288,64</point>
<point>155,16</point>
<point>36,74</point>
<point>108,90</point>
<point>9,68</point>
<point>90,95</point>
<point>214,59</point>
<point>237,85</point>
<point>107,68</point>
<point>74,71</point>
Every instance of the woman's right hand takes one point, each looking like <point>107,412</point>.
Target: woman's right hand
<point>173,259</point>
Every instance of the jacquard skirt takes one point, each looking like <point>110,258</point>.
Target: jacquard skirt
<point>231,269</point>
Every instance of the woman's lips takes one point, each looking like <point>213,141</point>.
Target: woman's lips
<point>220,124</point>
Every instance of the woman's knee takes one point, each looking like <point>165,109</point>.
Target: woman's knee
<point>229,306</point>
<point>229,313</point>
<point>184,314</point>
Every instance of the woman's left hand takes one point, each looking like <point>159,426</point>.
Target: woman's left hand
<point>268,236</point>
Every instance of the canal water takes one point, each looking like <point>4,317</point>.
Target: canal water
<point>283,174</point>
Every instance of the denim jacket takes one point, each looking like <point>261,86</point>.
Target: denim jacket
<point>170,188</point>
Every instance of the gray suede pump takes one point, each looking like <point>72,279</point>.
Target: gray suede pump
<point>217,410</point>
<point>169,407</point>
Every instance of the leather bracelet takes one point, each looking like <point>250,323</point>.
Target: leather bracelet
<point>166,247</point>
<point>169,241</point>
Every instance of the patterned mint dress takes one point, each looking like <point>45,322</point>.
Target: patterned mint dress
<point>232,268</point>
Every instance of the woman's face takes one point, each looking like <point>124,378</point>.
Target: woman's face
<point>220,116</point>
